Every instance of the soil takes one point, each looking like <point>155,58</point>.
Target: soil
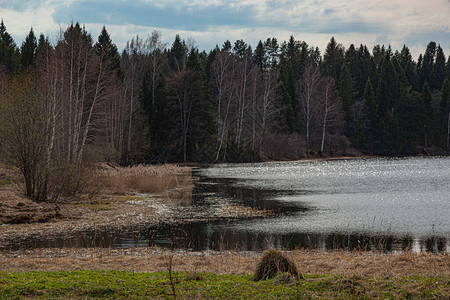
<point>15,209</point>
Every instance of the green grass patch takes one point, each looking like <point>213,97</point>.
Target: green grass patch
<point>118,284</point>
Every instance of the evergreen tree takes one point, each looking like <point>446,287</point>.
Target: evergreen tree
<point>240,48</point>
<point>107,51</point>
<point>388,98</point>
<point>367,121</point>
<point>226,46</point>
<point>346,88</point>
<point>291,55</point>
<point>448,67</point>
<point>444,114</point>
<point>28,50</point>
<point>427,115</point>
<point>259,56</point>
<point>333,59</point>
<point>272,51</point>
<point>364,69</point>
<point>378,53</point>
<point>177,54</point>
<point>438,73</point>
<point>202,119</point>
<point>427,64</point>
<point>43,43</point>
<point>9,54</point>
<point>407,63</point>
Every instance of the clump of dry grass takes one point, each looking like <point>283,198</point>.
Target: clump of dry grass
<point>274,262</point>
<point>143,179</point>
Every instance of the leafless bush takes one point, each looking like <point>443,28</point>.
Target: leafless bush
<point>284,146</point>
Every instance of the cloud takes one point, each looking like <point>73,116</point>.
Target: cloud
<point>176,16</point>
<point>394,22</point>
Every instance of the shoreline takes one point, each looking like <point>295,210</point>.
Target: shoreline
<point>170,204</point>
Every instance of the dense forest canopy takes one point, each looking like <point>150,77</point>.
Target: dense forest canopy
<point>81,99</point>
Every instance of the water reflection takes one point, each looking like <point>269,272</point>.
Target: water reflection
<point>220,236</point>
<point>376,204</point>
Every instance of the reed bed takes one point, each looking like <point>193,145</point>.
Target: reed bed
<point>143,179</point>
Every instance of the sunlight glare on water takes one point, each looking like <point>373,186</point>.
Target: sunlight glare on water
<point>400,196</point>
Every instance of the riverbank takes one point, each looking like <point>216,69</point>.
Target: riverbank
<point>140,196</point>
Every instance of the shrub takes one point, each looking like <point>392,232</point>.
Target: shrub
<point>274,262</point>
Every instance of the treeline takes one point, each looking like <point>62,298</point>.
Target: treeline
<point>80,99</point>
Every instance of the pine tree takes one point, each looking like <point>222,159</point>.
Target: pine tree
<point>259,56</point>
<point>444,114</point>
<point>177,54</point>
<point>378,53</point>
<point>407,63</point>
<point>107,51</point>
<point>448,67</point>
<point>438,74</point>
<point>226,46</point>
<point>370,117</point>
<point>389,96</point>
<point>240,48</point>
<point>427,115</point>
<point>272,51</point>
<point>333,59</point>
<point>364,69</point>
<point>9,54</point>
<point>346,88</point>
<point>28,50</point>
<point>427,64</point>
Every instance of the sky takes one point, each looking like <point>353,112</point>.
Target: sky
<point>210,22</point>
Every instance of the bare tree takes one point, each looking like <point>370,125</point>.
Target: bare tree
<point>268,102</point>
<point>309,96</point>
<point>184,89</point>
<point>132,62</point>
<point>222,79</point>
<point>23,132</point>
<point>331,106</point>
<point>156,60</point>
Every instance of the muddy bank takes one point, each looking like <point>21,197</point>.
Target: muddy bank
<point>130,198</point>
<point>15,209</point>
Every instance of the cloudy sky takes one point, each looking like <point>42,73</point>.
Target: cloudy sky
<point>211,22</point>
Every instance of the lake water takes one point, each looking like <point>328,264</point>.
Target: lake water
<point>391,203</point>
<point>386,204</point>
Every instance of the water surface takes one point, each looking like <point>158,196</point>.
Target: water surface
<point>384,204</point>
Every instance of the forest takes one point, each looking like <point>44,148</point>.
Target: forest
<point>78,99</point>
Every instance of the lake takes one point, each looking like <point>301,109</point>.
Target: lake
<point>392,203</point>
<point>386,204</point>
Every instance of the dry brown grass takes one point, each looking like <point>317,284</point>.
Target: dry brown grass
<point>226,262</point>
<point>143,179</point>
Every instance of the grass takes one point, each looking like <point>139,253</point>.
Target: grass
<point>122,284</point>
<point>144,179</point>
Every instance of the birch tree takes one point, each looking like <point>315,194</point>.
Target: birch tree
<point>331,107</point>
<point>308,90</point>
<point>222,82</point>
